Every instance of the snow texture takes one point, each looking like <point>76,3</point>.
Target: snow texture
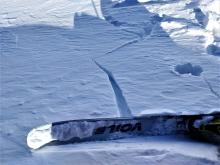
<point>47,74</point>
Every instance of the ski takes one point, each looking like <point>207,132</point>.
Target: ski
<point>73,131</point>
<point>126,125</point>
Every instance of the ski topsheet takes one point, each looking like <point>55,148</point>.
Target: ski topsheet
<point>111,128</point>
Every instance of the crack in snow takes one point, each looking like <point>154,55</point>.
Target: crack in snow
<point>123,107</point>
<point>211,88</point>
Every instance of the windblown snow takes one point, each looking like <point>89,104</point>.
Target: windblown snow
<point>164,54</point>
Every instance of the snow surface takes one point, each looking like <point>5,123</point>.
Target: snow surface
<point>164,54</point>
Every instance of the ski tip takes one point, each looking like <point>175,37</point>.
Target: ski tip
<point>39,136</point>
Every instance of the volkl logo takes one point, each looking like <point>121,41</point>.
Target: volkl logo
<point>118,128</point>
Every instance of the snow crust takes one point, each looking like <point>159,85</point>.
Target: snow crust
<point>47,74</point>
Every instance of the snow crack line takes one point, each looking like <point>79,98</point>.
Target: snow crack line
<point>93,4</point>
<point>117,48</point>
<point>124,110</point>
<point>210,88</point>
<point>123,45</point>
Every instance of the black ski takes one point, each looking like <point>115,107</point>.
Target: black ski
<point>113,128</point>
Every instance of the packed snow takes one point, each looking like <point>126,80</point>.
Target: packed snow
<point>164,54</point>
